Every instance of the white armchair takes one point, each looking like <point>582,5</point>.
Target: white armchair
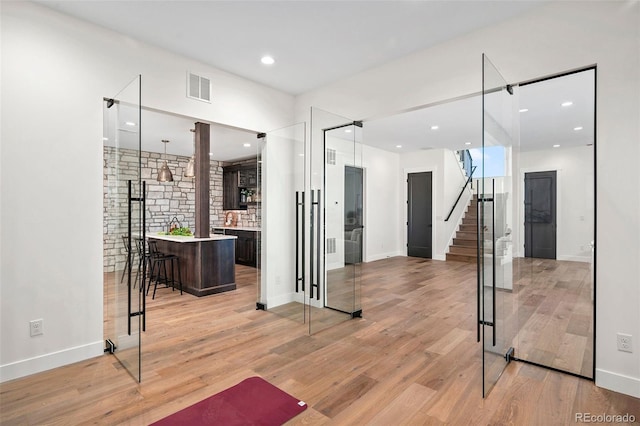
<point>353,246</point>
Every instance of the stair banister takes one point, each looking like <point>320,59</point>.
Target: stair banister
<point>473,169</point>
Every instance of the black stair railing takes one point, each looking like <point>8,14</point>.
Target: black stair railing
<point>469,168</point>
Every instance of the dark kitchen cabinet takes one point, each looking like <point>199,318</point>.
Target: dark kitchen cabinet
<point>246,245</point>
<point>230,193</point>
<point>240,186</point>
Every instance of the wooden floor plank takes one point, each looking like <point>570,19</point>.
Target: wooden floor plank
<point>401,410</point>
<point>412,359</point>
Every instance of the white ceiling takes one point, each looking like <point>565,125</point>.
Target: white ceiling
<point>546,123</point>
<point>313,42</point>
<point>226,143</point>
<point>317,42</point>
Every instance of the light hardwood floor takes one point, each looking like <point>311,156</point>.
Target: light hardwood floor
<point>413,359</point>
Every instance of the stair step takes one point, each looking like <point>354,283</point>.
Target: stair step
<point>462,258</point>
<point>465,242</point>
<point>473,235</point>
<point>470,251</point>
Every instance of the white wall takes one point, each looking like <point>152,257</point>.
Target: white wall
<point>55,72</point>
<point>555,37</point>
<point>282,178</point>
<point>382,189</point>
<point>574,195</point>
<point>334,196</point>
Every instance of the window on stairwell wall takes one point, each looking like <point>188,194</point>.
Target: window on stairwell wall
<point>493,164</point>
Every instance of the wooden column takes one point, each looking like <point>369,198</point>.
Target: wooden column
<point>203,171</point>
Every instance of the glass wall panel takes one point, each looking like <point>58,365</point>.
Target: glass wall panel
<point>283,277</point>
<point>556,198</point>
<point>336,220</point>
<point>124,218</point>
<point>496,215</point>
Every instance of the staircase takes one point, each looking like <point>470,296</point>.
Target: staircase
<point>465,243</point>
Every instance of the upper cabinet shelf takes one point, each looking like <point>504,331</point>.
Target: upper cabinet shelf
<point>240,186</point>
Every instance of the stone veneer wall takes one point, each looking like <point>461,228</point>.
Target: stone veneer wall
<point>164,201</point>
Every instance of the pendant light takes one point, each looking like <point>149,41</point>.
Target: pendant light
<point>164,174</point>
<point>190,171</point>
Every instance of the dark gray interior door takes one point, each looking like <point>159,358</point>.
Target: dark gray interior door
<point>353,194</point>
<point>540,215</point>
<point>419,215</point>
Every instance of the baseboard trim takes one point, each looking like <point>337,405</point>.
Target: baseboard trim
<point>618,382</point>
<point>37,364</point>
<point>374,257</point>
<point>283,299</point>
<point>585,259</point>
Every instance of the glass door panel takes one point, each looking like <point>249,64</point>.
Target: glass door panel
<point>336,220</point>
<point>283,277</point>
<point>498,318</point>
<point>556,182</point>
<point>123,228</point>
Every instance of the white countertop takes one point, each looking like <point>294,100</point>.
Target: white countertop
<point>192,239</point>
<point>239,228</point>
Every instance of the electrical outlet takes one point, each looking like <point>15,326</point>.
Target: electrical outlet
<point>625,344</point>
<point>35,327</point>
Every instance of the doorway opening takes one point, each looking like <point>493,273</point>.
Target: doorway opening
<point>133,152</point>
<point>546,125</point>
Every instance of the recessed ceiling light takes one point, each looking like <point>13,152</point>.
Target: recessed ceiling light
<point>130,123</point>
<point>556,146</point>
<point>524,110</point>
<point>105,139</point>
<point>467,143</point>
<point>267,60</point>
<point>566,104</point>
<point>211,153</point>
<point>398,146</point>
<point>347,130</point>
<point>577,128</point>
<point>246,145</point>
<point>434,127</point>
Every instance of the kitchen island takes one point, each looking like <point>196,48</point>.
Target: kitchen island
<point>207,264</point>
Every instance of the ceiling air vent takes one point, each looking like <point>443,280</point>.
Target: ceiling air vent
<point>331,156</point>
<point>198,87</point>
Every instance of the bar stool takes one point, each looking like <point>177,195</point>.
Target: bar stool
<point>127,250</point>
<point>159,260</point>
<point>143,259</point>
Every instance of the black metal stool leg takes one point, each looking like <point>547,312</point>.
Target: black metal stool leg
<point>173,280</point>
<point>179,274</point>
<point>155,286</point>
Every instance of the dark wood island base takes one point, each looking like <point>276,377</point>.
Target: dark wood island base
<point>207,264</point>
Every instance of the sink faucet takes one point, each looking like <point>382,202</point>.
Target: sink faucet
<point>173,224</point>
